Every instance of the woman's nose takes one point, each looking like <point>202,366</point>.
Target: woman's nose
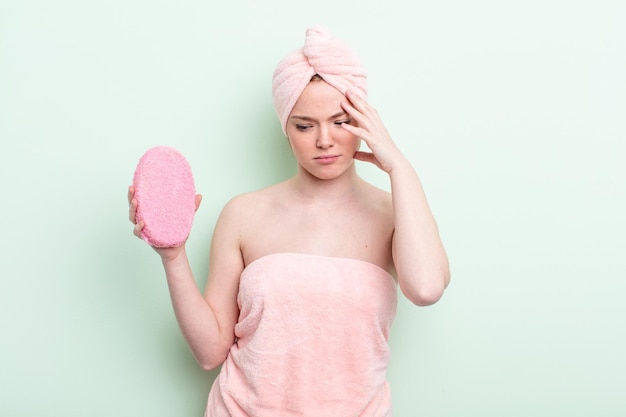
<point>324,139</point>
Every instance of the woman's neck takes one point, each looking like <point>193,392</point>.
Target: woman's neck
<point>312,189</point>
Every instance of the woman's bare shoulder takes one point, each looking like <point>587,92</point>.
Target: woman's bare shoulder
<point>245,215</point>
<point>377,198</point>
<point>247,204</point>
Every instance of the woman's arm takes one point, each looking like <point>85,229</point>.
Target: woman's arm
<point>419,256</point>
<point>206,321</point>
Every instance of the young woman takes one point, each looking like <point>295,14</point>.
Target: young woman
<point>301,291</point>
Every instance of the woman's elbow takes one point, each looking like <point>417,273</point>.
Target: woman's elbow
<point>426,294</point>
<point>209,364</point>
<point>423,298</point>
<point>211,360</point>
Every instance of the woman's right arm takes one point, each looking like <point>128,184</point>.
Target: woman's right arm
<point>207,320</point>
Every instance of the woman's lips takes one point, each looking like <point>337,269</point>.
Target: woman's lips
<point>326,159</point>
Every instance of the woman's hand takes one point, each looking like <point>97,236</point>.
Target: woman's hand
<point>369,127</point>
<point>165,253</point>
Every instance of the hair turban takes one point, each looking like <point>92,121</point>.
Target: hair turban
<point>321,54</point>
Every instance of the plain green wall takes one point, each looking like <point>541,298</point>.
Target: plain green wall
<point>512,112</point>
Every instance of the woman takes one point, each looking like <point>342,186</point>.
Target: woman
<point>301,291</point>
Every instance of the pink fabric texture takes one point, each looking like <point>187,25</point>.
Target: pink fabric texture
<point>165,192</point>
<point>321,54</point>
<point>312,340</point>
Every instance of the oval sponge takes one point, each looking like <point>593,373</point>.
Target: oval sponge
<point>166,194</point>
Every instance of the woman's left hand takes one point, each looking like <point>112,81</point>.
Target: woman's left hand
<point>371,129</point>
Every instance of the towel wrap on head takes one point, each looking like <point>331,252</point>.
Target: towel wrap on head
<point>324,55</point>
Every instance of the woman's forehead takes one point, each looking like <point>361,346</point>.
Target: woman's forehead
<point>320,98</point>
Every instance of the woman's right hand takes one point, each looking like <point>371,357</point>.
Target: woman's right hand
<point>165,253</point>
<point>132,212</point>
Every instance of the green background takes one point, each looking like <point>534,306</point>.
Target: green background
<point>512,113</point>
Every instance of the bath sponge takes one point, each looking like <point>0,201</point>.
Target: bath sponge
<point>165,193</point>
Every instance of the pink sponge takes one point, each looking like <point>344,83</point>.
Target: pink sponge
<point>165,193</point>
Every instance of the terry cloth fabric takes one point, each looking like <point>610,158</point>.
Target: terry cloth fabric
<point>321,54</point>
<point>166,196</point>
<point>312,340</point>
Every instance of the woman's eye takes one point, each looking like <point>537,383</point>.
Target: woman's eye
<point>302,128</point>
<point>340,122</point>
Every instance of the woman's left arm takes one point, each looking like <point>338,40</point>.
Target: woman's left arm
<point>419,256</point>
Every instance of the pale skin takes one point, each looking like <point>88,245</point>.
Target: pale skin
<point>326,209</point>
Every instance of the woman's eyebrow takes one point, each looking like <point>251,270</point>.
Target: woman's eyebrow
<point>341,113</point>
<point>307,118</point>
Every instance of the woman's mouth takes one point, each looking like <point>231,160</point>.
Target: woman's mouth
<point>326,159</point>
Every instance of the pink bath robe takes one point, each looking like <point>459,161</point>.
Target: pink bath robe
<point>312,340</point>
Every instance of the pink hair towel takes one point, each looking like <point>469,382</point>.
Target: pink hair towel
<point>324,55</point>
<point>165,193</point>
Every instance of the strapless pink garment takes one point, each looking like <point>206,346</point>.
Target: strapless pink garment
<point>312,340</point>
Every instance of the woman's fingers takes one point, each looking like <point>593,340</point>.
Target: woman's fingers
<point>363,109</point>
<point>372,130</point>
<point>138,228</point>
<point>131,193</point>
<point>132,210</point>
<point>354,112</point>
<point>357,102</point>
<point>367,157</point>
<point>132,205</point>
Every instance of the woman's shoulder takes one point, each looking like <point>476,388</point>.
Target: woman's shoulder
<point>377,198</point>
<point>253,201</point>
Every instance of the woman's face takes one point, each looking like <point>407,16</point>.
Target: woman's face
<point>322,147</point>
